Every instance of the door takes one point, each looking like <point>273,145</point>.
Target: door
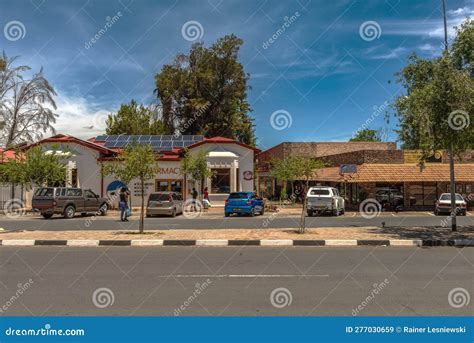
<point>91,201</point>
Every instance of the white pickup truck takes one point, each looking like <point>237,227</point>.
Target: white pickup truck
<point>323,200</point>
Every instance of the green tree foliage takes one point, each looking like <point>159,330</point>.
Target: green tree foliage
<point>285,169</point>
<point>425,76</point>
<point>135,119</point>
<point>35,168</point>
<point>196,166</point>
<point>205,92</point>
<point>367,135</point>
<point>463,47</point>
<point>137,161</point>
<point>438,99</point>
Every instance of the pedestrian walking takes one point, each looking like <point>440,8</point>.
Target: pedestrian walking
<point>194,194</point>
<point>123,204</point>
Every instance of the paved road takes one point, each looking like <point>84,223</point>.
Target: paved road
<point>219,222</point>
<point>236,281</point>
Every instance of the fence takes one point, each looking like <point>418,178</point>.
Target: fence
<point>9,192</point>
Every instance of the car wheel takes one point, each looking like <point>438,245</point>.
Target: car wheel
<point>335,212</point>
<point>47,215</point>
<point>173,214</point>
<point>69,212</point>
<point>262,212</point>
<point>310,213</point>
<point>436,212</point>
<point>103,209</point>
<point>343,211</point>
<point>226,214</point>
<point>252,212</point>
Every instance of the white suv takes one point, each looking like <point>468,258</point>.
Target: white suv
<point>324,199</point>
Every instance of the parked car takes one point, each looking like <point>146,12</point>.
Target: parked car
<point>244,203</point>
<point>164,203</point>
<point>443,205</point>
<point>324,200</point>
<point>390,198</point>
<point>68,201</point>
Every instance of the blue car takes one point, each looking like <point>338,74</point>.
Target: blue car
<point>244,203</point>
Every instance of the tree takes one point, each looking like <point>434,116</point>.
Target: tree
<point>463,47</point>
<point>305,168</point>
<point>285,170</point>
<point>24,104</point>
<point>35,167</point>
<point>136,161</point>
<point>205,92</point>
<point>367,135</point>
<point>196,166</point>
<point>437,109</point>
<point>135,119</point>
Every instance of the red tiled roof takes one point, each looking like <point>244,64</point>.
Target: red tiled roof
<point>60,138</point>
<point>223,140</point>
<point>432,172</point>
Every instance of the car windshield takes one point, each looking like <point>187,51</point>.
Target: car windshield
<point>44,192</point>
<point>159,197</point>
<point>319,191</point>
<point>238,196</point>
<point>448,197</point>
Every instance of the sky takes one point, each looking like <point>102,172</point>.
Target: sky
<point>319,70</point>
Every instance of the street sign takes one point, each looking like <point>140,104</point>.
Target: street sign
<point>347,168</point>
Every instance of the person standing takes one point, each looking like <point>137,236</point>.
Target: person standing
<point>205,200</point>
<point>123,204</point>
<point>194,194</point>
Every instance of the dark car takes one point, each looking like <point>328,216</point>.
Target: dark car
<point>244,203</point>
<point>68,201</point>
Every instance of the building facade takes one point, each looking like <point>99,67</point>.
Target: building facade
<point>362,170</point>
<point>230,162</point>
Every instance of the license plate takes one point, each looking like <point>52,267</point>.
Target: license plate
<point>237,209</point>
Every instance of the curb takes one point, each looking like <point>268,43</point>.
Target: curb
<point>233,242</point>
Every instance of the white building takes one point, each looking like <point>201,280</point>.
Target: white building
<point>231,163</point>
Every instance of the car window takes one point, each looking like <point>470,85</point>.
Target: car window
<point>74,192</point>
<point>319,191</point>
<point>158,197</point>
<point>238,196</point>
<point>44,192</point>
<point>58,192</point>
<point>63,192</point>
<point>448,197</point>
<point>89,194</point>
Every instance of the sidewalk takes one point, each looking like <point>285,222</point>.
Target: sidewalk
<point>330,233</point>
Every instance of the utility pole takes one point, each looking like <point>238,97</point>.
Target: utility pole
<point>450,150</point>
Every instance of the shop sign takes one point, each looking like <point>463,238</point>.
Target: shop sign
<point>169,170</point>
<point>248,175</point>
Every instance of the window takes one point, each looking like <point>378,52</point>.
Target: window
<point>89,194</point>
<point>74,192</point>
<point>319,191</point>
<point>44,192</point>
<point>58,192</point>
<point>238,196</point>
<point>468,189</point>
<point>448,197</point>
<point>159,197</point>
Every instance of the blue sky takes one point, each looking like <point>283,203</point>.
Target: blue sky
<point>323,73</point>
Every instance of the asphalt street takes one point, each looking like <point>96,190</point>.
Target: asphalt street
<point>217,221</point>
<point>236,281</point>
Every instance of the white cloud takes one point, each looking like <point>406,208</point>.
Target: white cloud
<point>80,117</point>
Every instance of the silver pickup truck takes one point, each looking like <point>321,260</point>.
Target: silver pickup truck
<point>68,201</point>
<point>324,200</point>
